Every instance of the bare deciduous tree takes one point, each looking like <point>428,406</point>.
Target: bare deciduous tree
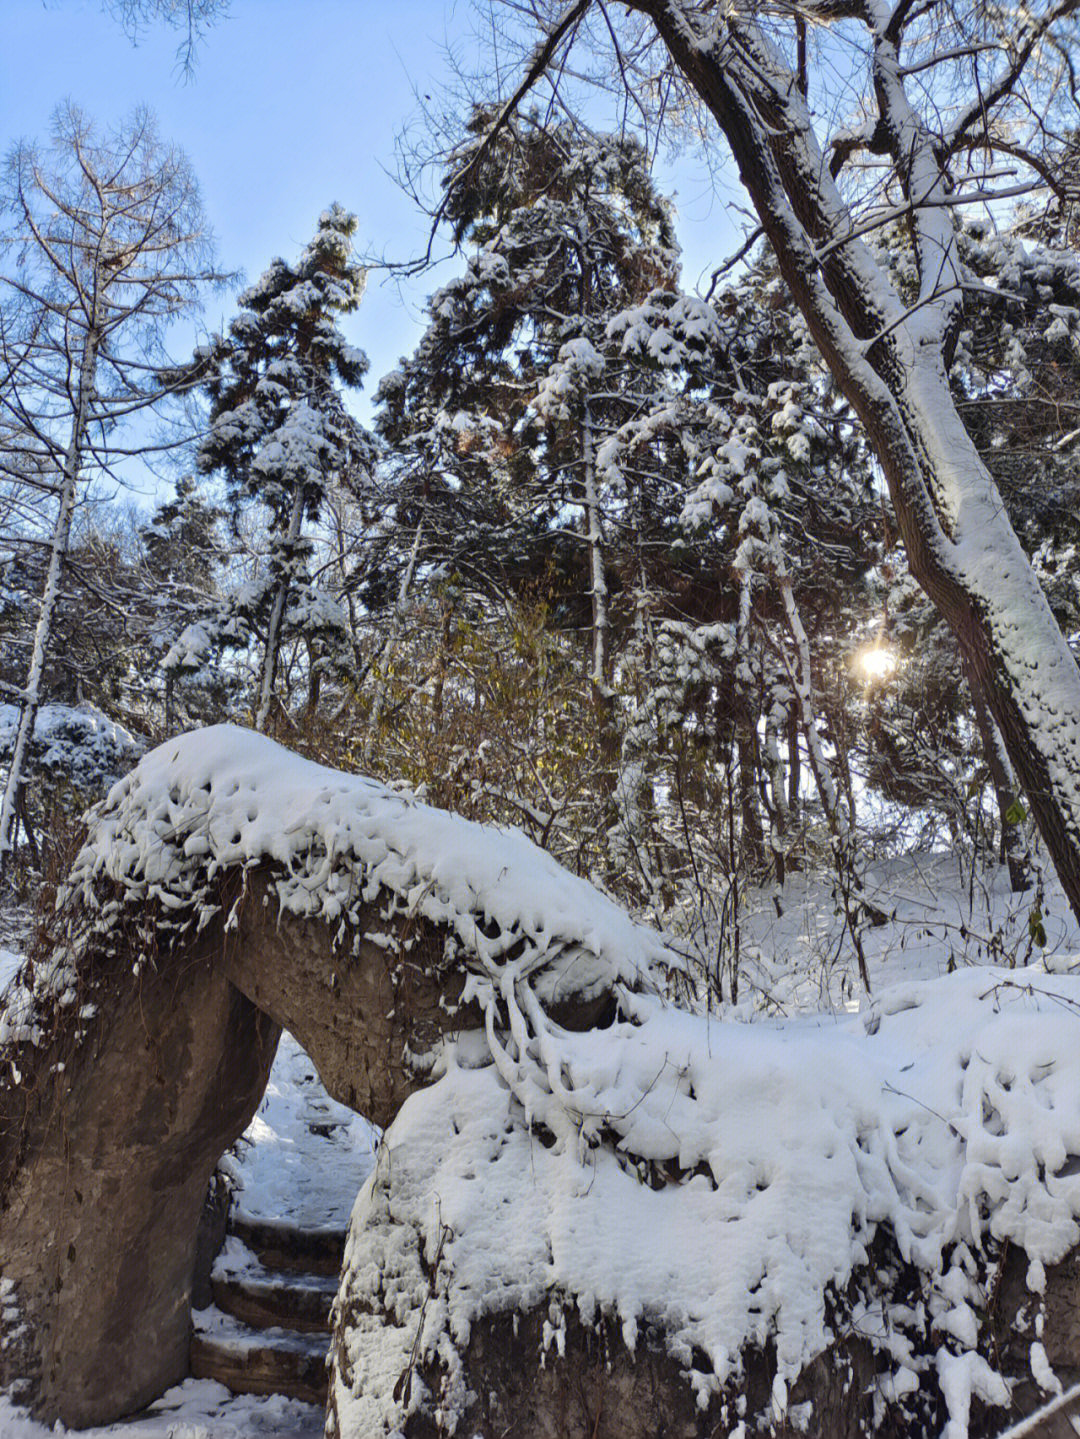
<point>104,244</point>
<point>192,18</point>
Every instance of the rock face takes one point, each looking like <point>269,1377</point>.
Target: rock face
<point>1053,1320</point>
<point>598,1389</point>
<point>105,1164</point>
<point>520,1282</point>
<point>367,1017</point>
<point>546,1375</point>
<point>107,1146</point>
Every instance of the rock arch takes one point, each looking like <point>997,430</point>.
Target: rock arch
<point>651,1222</point>
<point>109,1159</point>
<point>229,890</point>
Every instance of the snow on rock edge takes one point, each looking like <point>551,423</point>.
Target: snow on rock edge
<point>228,797</point>
<point>718,1182</point>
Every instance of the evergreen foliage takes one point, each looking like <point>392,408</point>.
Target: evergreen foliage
<point>281,436</point>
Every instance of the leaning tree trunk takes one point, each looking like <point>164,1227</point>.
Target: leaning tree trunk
<point>890,361</point>
<point>50,598</point>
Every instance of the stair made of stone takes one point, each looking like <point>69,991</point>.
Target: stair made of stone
<point>267,1331</point>
<point>281,1245</point>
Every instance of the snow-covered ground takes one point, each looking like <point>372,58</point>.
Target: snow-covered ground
<point>303,1157</point>
<point>9,963</point>
<point>196,1409</point>
<point>940,913</point>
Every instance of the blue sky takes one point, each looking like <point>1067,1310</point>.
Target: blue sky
<point>293,103</point>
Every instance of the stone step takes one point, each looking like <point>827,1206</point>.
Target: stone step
<point>258,1361</point>
<point>281,1245</point>
<point>265,1298</point>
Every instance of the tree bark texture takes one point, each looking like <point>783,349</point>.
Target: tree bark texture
<point>277,613</point>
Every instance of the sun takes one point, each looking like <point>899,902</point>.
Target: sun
<point>877,662</point>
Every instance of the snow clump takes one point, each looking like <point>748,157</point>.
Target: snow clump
<point>225,797</point>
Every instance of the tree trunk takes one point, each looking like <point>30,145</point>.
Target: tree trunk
<point>1013,850</point>
<point>50,598</point>
<point>753,835</point>
<point>779,820</point>
<point>277,614</point>
<point>314,679</point>
<point>852,895</point>
<point>598,592</point>
<point>794,765</point>
<point>404,590</point>
<point>752,846</point>
<point>889,359</point>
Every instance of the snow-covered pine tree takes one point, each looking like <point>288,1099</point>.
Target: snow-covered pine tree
<point>281,437</point>
<point>184,557</point>
<point>760,442</point>
<point>515,386</point>
<point>679,397</point>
